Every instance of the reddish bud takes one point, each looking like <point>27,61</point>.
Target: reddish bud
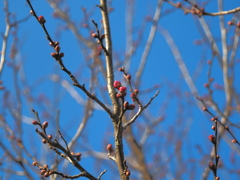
<point>34,163</point>
<point>226,127</point>
<point>230,23</point>
<point>109,148</point>
<point>57,48</point>
<point>206,85</point>
<point>45,125</point>
<point>204,108</point>
<point>46,174</point>
<point>61,54</point>
<point>35,122</point>
<point>234,141</point>
<point>212,166</point>
<point>131,107</point>
<point>94,35</point>
<point>78,156</point>
<point>212,138</point>
<point>122,90</point>
<point>117,84</point>
<point>128,77</point>
<point>136,91</point>
<point>54,55</point>
<point>49,136</point>
<point>31,12</point>
<point>119,95</point>
<point>127,173</point>
<point>133,95</point>
<point>213,128</point>
<point>45,166</point>
<point>217,178</point>
<point>41,19</point>
<point>121,69</point>
<point>44,141</point>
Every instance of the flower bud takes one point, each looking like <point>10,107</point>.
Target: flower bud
<point>54,55</point>
<point>49,136</point>
<point>41,19</point>
<point>136,91</point>
<point>119,95</point>
<point>35,122</point>
<point>122,90</point>
<point>42,172</point>
<point>212,138</point>
<point>44,141</point>
<point>34,163</point>
<point>212,166</point>
<point>45,125</point>
<point>57,48</point>
<point>109,148</point>
<point>94,35</point>
<point>128,77</point>
<point>127,173</point>
<point>117,84</point>
<point>230,23</point>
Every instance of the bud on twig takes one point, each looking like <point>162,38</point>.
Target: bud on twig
<point>41,19</point>
<point>212,138</point>
<point>109,148</point>
<point>212,166</point>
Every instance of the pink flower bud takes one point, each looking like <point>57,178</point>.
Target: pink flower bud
<point>94,35</point>
<point>136,91</point>
<point>57,48</point>
<point>119,95</point>
<point>41,19</point>
<point>128,77</point>
<point>35,122</point>
<point>34,163</point>
<point>54,55</point>
<point>122,90</point>
<point>109,148</point>
<point>212,138</point>
<point>45,125</point>
<point>117,84</point>
<point>133,95</point>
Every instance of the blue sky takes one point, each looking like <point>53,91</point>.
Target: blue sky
<point>182,113</point>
